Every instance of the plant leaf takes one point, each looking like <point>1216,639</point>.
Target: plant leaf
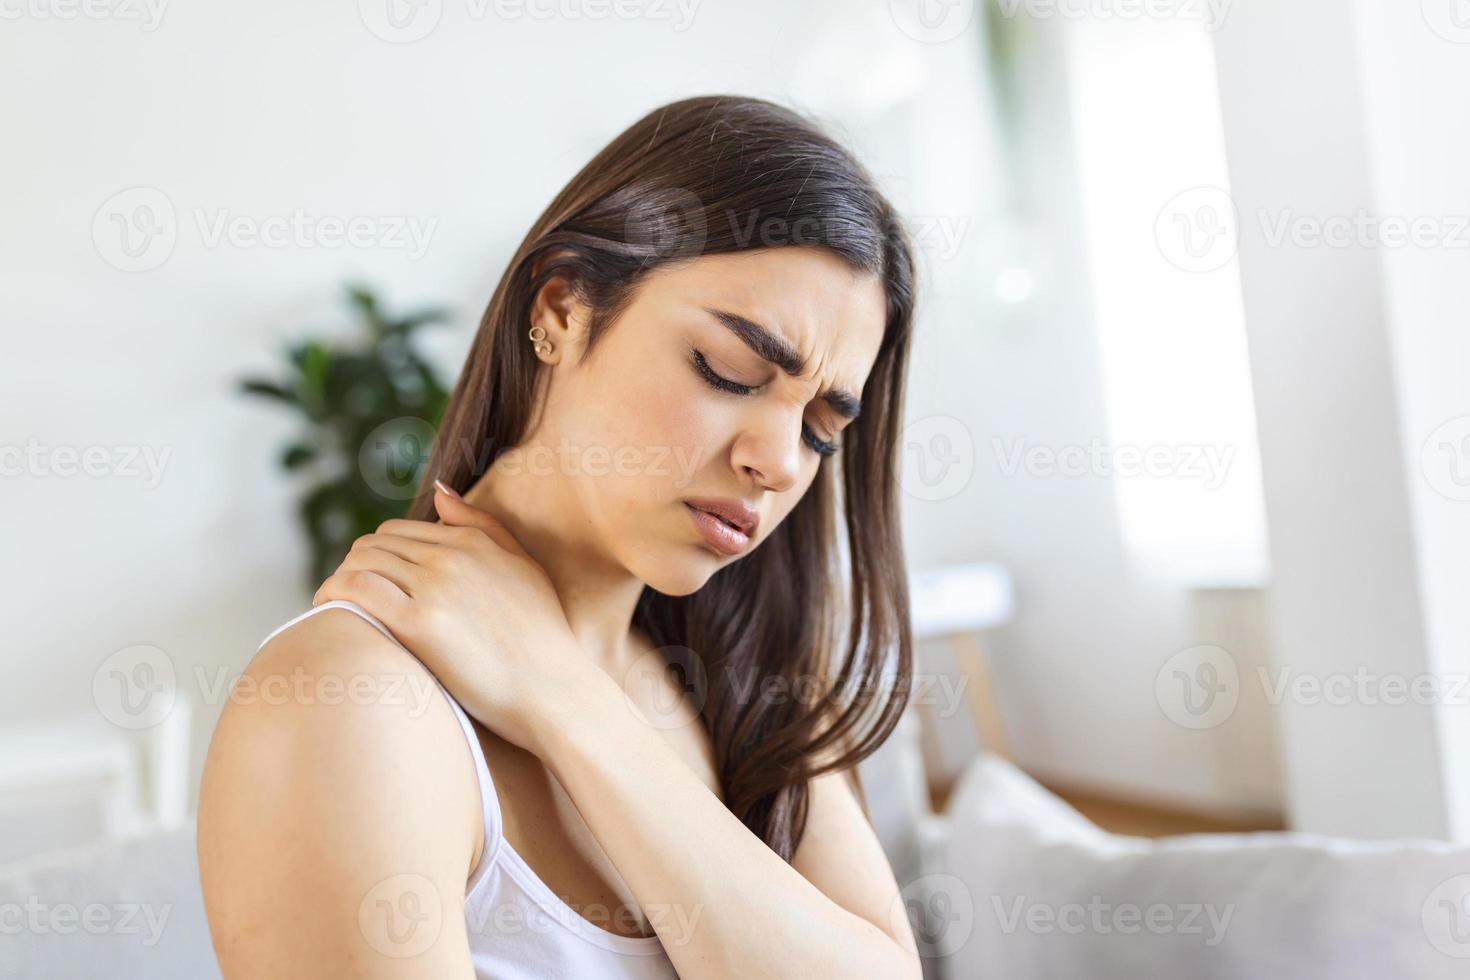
<point>268,389</point>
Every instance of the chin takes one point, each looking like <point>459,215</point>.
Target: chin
<point>680,574</point>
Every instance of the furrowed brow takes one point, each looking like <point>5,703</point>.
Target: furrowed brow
<point>775,349</point>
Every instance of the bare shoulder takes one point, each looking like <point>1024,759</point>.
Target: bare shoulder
<point>333,776</point>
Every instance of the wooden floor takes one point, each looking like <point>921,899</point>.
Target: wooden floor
<point>1134,818</point>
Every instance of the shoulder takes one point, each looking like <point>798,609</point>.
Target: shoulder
<point>334,681</point>
<point>332,772</point>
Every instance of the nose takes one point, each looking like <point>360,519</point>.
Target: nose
<point>769,449</point>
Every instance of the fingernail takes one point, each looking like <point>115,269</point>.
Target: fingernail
<point>443,486</point>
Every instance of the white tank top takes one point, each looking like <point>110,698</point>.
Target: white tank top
<point>518,928</point>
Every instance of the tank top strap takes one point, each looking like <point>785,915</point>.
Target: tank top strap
<point>489,801</point>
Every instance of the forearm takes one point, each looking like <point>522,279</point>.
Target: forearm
<point>722,902</point>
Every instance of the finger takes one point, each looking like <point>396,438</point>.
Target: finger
<point>410,549</point>
<point>400,571</point>
<point>455,511</point>
<point>417,530</point>
<point>368,589</point>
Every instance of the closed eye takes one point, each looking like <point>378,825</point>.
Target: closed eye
<point>820,446</point>
<point>721,383</point>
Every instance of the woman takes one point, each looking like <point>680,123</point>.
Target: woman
<point>644,442</point>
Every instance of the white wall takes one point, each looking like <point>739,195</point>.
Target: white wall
<point>262,110</point>
<point>1416,69</point>
<point>1359,365</point>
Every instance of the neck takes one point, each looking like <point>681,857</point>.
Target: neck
<point>597,593</point>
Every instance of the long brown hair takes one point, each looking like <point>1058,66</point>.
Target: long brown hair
<point>705,176</point>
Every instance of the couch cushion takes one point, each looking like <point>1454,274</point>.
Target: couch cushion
<point>1031,889</point>
<point>126,911</point>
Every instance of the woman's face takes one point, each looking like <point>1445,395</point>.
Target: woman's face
<point>721,384</point>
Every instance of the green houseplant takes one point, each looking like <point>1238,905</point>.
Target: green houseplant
<point>369,409</point>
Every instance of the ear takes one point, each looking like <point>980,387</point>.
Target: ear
<point>557,310</point>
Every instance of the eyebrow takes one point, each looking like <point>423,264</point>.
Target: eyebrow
<point>778,351</point>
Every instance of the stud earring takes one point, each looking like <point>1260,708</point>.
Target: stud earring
<point>539,341</point>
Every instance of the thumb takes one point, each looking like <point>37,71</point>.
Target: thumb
<point>455,511</point>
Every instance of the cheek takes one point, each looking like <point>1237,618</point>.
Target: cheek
<point>658,434</point>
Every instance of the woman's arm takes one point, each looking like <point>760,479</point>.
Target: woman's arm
<point>336,819</point>
<point>723,903</point>
<point>473,607</point>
